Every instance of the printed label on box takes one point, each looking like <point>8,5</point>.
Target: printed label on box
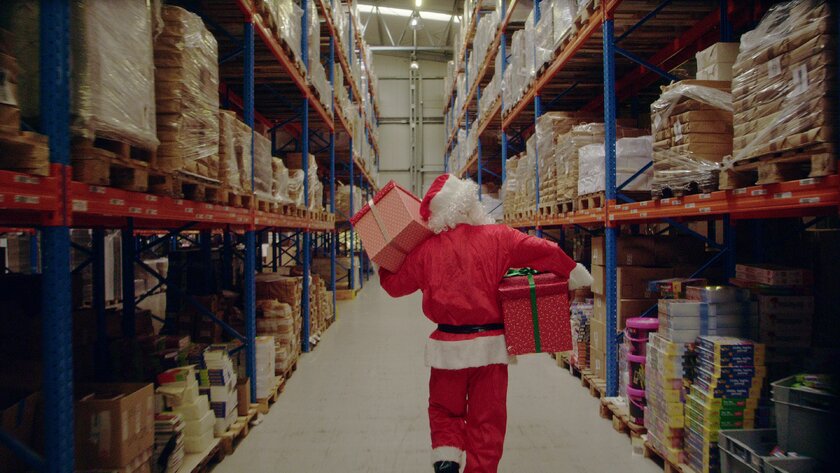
<point>774,67</point>
<point>800,80</point>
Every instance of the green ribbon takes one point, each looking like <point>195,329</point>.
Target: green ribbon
<point>529,273</point>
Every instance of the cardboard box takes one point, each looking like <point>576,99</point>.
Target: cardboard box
<point>630,251</point>
<point>114,424</point>
<point>716,54</point>
<point>632,282</point>
<point>243,395</point>
<point>597,336</point>
<point>599,273</point>
<point>626,309</point>
<point>598,363</point>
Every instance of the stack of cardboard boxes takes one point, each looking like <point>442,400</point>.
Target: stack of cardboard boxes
<point>180,390</point>
<point>716,61</point>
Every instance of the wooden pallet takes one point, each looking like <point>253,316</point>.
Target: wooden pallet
<point>264,404</point>
<point>9,120</point>
<point>620,417</point>
<point>596,386</point>
<point>233,197</point>
<point>203,462</point>
<point>596,200</point>
<point>238,431</point>
<point>566,206</point>
<point>345,294</point>
<point>811,161</point>
<point>114,163</point>
<point>667,465</point>
<point>25,152</point>
<point>686,188</point>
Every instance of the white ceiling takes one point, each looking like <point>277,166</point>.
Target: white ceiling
<point>434,33</point>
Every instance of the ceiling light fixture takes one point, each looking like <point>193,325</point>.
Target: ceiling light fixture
<point>415,65</point>
<point>403,12</point>
<point>415,22</point>
<point>418,3</point>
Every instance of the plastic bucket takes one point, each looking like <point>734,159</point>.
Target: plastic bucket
<point>636,403</point>
<point>637,371</point>
<point>637,332</point>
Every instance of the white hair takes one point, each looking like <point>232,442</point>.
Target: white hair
<point>457,203</point>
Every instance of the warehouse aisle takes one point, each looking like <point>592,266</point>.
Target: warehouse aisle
<point>358,404</point>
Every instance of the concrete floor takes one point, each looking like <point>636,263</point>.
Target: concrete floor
<point>358,404</point>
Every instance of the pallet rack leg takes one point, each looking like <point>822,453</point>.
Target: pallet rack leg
<point>304,40</point>
<point>128,250</point>
<point>103,358</point>
<point>249,281</point>
<point>611,231</point>
<point>332,236</point>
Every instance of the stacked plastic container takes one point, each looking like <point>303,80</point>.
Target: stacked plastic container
<point>636,336</point>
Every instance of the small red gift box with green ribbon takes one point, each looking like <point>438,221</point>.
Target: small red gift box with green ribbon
<point>535,308</point>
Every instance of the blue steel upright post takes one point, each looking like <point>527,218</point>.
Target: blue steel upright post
<point>128,255</point>
<point>334,235</point>
<point>350,242</point>
<point>537,114</point>
<point>249,280</point>
<point>304,51</point>
<point>503,58</point>
<point>55,293</point>
<point>610,232</point>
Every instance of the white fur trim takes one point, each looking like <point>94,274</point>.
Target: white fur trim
<point>456,203</point>
<point>462,354</point>
<point>580,277</point>
<point>447,454</point>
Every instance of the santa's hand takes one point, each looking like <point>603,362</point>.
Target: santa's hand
<point>579,277</point>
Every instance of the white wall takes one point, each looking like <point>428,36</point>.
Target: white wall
<point>395,157</point>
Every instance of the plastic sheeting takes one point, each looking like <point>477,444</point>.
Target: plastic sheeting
<point>784,80</point>
<point>263,171</point>
<point>187,93</point>
<point>632,154</point>
<point>692,130</point>
<point>112,79</point>
<point>279,181</point>
<point>228,158</point>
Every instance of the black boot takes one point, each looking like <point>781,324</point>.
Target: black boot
<point>447,467</point>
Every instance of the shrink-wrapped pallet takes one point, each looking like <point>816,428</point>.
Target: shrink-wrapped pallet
<point>285,18</point>
<point>485,33</point>
<point>263,172</point>
<point>343,201</point>
<point>565,12</point>
<point>544,34</point>
<point>228,157</point>
<point>692,131</point>
<point>632,154</point>
<point>187,94</point>
<point>548,127</point>
<point>784,83</point>
<point>294,161</point>
<point>279,181</point>
<point>510,187</point>
<point>112,77</point>
<point>243,153</point>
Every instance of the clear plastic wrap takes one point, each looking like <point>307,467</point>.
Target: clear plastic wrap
<point>228,158</point>
<point>544,34</point>
<point>187,93</point>
<point>343,201</point>
<point>294,161</point>
<point>285,18</point>
<point>565,12</point>
<point>692,131</point>
<point>484,35</point>
<point>279,181</point>
<point>784,83</point>
<point>632,154</point>
<point>112,82</point>
<point>509,191</point>
<point>263,173</point>
<point>296,177</point>
<point>243,153</point>
<point>529,65</point>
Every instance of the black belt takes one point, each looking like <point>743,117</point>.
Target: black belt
<point>467,329</point>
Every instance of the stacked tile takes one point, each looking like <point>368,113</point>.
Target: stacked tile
<point>784,80</point>
<point>691,123</point>
<point>265,366</point>
<point>581,313</point>
<point>187,94</point>
<point>180,390</point>
<point>727,386</point>
<point>217,379</point>
<point>167,427</point>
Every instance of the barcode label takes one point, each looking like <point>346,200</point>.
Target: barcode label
<point>80,205</point>
<point>783,195</point>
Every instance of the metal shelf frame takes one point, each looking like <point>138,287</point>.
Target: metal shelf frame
<point>47,207</point>
<point>806,197</point>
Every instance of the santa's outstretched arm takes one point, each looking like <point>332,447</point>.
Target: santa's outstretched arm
<point>400,283</point>
<point>542,255</point>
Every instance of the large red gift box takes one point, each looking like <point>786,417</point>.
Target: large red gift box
<point>390,226</point>
<point>535,308</point>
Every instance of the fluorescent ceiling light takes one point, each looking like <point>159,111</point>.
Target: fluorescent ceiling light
<point>426,15</point>
<point>418,3</point>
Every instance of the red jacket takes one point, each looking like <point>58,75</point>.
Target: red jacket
<point>459,273</point>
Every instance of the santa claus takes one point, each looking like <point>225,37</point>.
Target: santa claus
<point>459,270</point>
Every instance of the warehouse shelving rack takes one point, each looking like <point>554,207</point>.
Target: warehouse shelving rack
<point>585,75</point>
<point>53,204</point>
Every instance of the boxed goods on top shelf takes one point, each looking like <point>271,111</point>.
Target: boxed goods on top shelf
<point>279,181</point>
<point>490,94</point>
<point>187,85</point>
<point>284,17</point>
<point>112,78</point>
<point>485,33</point>
<point>263,172</point>
<point>783,89</point>
<point>716,61</point>
<point>294,161</point>
<point>632,154</point>
<point>692,130</point>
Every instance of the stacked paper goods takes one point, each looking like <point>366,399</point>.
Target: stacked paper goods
<point>265,366</point>
<point>692,131</point>
<point>275,320</point>
<point>632,154</point>
<point>263,172</point>
<point>294,161</point>
<point>511,186</point>
<point>716,61</point>
<point>284,17</point>
<point>229,160</point>
<point>784,81</point>
<point>683,320</point>
<point>485,32</point>
<point>346,207</point>
<point>180,390</point>
<point>279,181</point>
<point>217,379</point>
<point>491,92</point>
<point>727,385</point>
<point>566,156</point>
<point>187,93</point>
<point>556,17</point>
<point>284,289</point>
<point>169,438</point>
<point>113,73</point>
<point>549,126</point>
<point>664,412</point>
<point>581,313</point>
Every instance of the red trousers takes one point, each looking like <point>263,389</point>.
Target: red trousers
<point>468,412</point>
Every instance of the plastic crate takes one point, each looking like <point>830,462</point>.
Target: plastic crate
<point>745,451</point>
<point>792,465</point>
<point>805,419</point>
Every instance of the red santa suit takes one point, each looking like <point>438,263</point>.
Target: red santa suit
<point>459,270</point>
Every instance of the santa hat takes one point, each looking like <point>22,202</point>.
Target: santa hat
<point>443,186</point>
